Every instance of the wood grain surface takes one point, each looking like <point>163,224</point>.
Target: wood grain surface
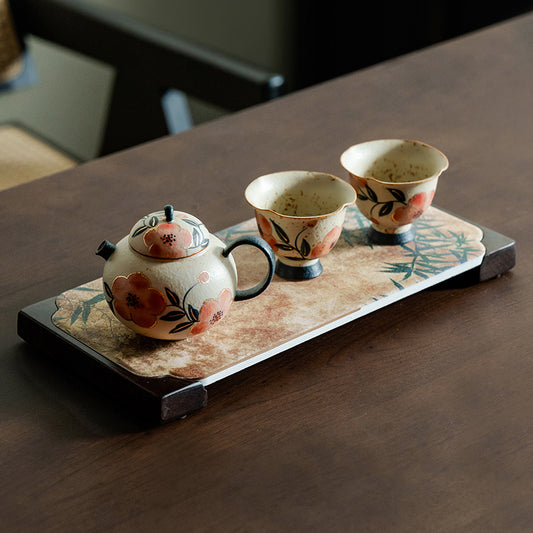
<point>419,418</point>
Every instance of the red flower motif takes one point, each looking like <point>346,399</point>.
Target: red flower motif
<point>168,241</point>
<point>212,311</point>
<point>327,244</point>
<point>265,229</point>
<point>135,299</point>
<point>414,209</point>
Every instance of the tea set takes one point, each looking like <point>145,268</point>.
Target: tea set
<point>171,279</point>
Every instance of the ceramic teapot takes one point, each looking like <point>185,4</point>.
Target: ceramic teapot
<point>171,279</point>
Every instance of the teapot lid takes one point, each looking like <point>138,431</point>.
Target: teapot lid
<point>168,234</point>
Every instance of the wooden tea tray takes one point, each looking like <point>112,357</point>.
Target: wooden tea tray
<point>162,380</point>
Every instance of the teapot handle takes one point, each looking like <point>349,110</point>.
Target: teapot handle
<point>252,240</point>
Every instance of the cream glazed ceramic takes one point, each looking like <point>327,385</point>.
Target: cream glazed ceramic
<point>300,214</point>
<point>170,278</point>
<point>395,180</point>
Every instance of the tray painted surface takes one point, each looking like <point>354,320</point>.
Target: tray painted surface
<point>358,278</point>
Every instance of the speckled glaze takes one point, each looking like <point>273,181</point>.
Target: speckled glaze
<point>170,278</point>
<point>300,214</point>
<point>395,180</point>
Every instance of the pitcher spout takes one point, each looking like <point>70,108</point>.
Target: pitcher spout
<point>105,249</point>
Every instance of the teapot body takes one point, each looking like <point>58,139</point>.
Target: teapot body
<point>170,278</point>
<point>170,299</point>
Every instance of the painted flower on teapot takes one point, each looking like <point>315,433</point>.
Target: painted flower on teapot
<point>171,279</point>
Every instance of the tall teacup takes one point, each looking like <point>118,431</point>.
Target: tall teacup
<point>395,181</point>
<point>300,214</point>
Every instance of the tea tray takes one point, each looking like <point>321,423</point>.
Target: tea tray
<point>162,380</point>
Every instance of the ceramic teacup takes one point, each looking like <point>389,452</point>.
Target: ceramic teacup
<point>300,214</point>
<point>395,180</point>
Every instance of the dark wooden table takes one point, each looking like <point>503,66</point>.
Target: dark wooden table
<point>416,418</point>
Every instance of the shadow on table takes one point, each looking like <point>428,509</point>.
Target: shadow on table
<point>59,398</point>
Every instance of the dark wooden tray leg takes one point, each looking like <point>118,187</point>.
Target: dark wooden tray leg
<point>500,256</point>
<point>154,400</point>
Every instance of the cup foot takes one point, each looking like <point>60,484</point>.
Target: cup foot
<point>377,237</point>
<point>298,273</point>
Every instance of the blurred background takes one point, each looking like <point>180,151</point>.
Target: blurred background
<point>306,41</point>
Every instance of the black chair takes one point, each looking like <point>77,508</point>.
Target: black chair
<point>154,70</point>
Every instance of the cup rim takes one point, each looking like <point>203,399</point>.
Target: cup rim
<point>412,182</point>
<point>344,183</point>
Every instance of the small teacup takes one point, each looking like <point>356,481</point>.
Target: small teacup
<point>395,181</point>
<point>300,214</point>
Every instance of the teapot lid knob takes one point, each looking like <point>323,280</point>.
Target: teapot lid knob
<point>169,213</point>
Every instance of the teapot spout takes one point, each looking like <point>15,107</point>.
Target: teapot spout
<point>105,249</point>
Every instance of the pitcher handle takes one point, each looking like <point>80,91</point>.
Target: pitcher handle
<point>252,240</point>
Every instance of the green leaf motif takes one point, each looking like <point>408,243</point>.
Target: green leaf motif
<point>75,315</point>
<point>181,327</point>
<point>371,194</point>
<point>386,209</point>
<point>146,224</point>
<point>193,313</point>
<point>173,298</point>
<point>305,248</point>
<point>422,274</point>
<point>172,316</point>
<point>139,231</point>
<point>191,222</point>
<point>432,252</point>
<point>398,194</point>
<point>95,299</point>
<point>196,236</point>
<point>280,232</point>
<point>84,310</point>
<point>399,286</point>
<point>85,313</point>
